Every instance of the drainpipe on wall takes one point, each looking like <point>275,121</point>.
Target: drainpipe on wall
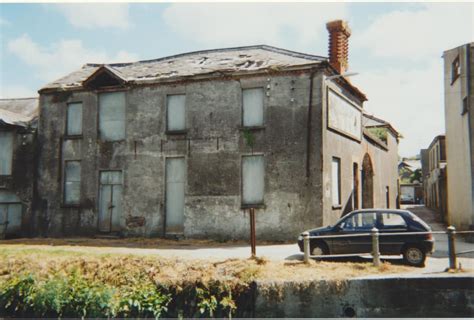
<point>469,115</point>
<point>309,125</point>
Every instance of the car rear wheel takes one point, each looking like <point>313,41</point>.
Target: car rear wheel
<point>319,249</point>
<point>414,256</point>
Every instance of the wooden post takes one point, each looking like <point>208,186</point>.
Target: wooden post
<point>452,247</point>
<point>375,247</point>
<point>253,242</point>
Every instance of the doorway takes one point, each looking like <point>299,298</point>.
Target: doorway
<point>110,201</point>
<point>367,183</point>
<point>175,183</point>
<point>355,186</point>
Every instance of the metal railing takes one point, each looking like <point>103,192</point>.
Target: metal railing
<point>375,235</point>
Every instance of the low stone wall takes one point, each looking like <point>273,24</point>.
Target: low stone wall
<point>389,297</point>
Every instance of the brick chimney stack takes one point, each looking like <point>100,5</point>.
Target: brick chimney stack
<point>339,33</point>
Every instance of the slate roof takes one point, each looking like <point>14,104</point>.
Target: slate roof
<point>192,64</point>
<point>18,112</point>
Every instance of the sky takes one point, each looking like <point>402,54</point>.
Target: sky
<point>395,48</point>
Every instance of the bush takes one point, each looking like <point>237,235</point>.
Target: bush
<point>74,296</point>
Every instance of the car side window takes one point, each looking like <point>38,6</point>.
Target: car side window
<point>392,221</point>
<point>360,221</point>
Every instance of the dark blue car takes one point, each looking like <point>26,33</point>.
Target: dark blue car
<point>414,248</point>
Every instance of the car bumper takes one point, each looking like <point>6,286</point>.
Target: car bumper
<point>429,246</point>
<point>300,245</point>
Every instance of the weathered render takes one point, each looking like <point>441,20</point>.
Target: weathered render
<point>459,118</point>
<point>190,161</point>
<point>17,165</point>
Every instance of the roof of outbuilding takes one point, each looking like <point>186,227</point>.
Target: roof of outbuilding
<point>18,112</point>
<point>199,63</point>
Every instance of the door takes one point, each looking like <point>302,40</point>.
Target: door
<point>391,222</point>
<point>357,223</point>
<point>175,179</point>
<point>110,201</point>
<point>10,218</point>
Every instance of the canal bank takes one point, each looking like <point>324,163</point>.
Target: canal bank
<point>437,296</point>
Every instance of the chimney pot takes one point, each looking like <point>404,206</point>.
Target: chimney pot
<point>339,33</point>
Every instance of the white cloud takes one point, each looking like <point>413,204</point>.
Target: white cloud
<point>410,99</point>
<point>414,35</point>
<point>60,58</point>
<point>7,91</point>
<point>223,24</point>
<point>93,15</point>
<point>4,22</point>
<point>404,81</point>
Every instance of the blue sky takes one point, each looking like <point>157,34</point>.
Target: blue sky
<point>395,47</point>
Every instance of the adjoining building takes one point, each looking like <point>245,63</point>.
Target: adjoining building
<point>434,178</point>
<point>459,117</point>
<point>185,145</point>
<point>18,120</point>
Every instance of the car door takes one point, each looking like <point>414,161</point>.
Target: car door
<point>359,223</point>
<point>391,222</point>
<point>355,224</point>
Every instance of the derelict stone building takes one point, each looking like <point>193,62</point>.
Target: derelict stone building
<point>184,145</point>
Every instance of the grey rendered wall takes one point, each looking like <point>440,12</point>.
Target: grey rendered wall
<point>350,151</point>
<point>458,155</point>
<point>380,298</point>
<point>212,147</point>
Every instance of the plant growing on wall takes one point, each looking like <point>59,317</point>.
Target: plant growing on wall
<point>249,138</point>
<point>380,133</point>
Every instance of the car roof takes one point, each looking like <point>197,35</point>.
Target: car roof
<point>382,209</point>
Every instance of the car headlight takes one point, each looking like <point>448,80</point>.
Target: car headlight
<point>300,238</point>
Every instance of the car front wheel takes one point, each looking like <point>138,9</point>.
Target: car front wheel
<point>414,256</point>
<point>319,249</point>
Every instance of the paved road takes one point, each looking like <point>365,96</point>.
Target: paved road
<point>437,263</point>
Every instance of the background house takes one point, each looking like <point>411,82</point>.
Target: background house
<point>411,178</point>
<point>434,182</point>
<point>459,117</point>
<point>18,120</point>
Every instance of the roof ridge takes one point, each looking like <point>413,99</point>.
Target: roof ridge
<point>260,46</point>
<point>5,99</point>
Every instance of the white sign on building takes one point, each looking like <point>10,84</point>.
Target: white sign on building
<point>344,116</point>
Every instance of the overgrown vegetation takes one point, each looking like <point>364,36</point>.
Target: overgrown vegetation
<point>115,287</point>
<point>58,282</point>
<point>380,133</point>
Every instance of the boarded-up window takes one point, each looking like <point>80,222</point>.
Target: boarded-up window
<point>252,180</point>
<point>6,152</point>
<point>252,107</point>
<point>175,113</point>
<point>72,182</point>
<point>74,119</point>
<point>112,116</point>
<point>336,181</point>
